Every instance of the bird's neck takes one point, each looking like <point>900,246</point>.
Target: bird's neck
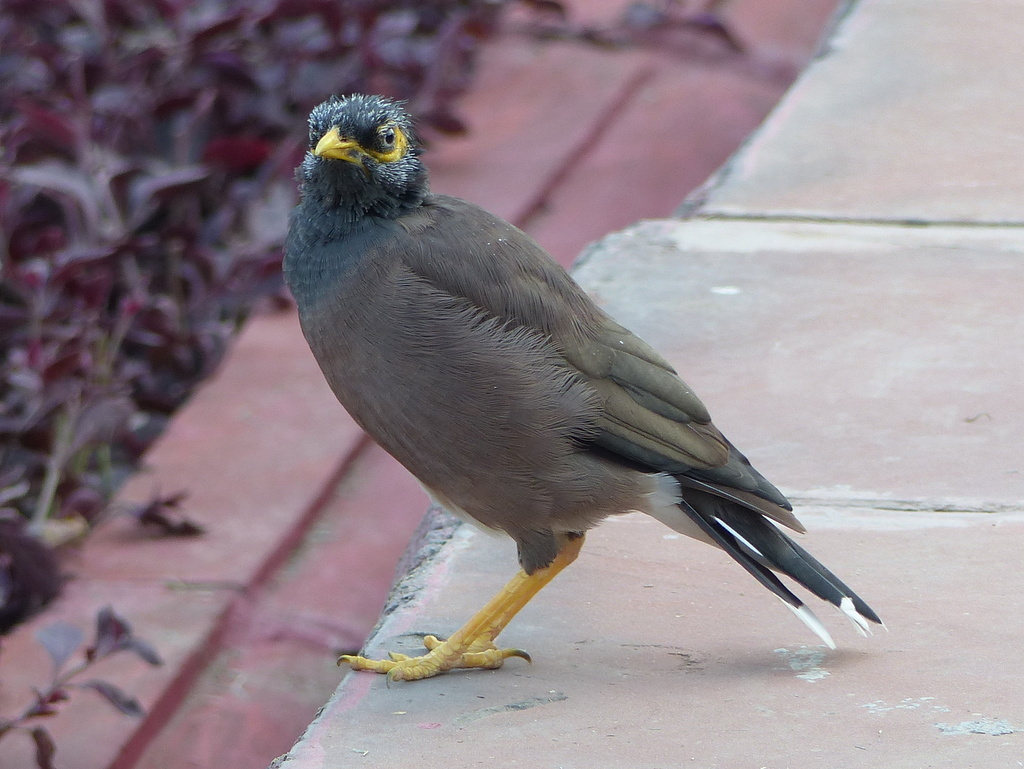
<point>337,216</point>
<point>339,199</point>
<point>337,221</point>
<point>326,248</point>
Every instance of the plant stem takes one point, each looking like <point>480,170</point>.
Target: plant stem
<point>65,430</point>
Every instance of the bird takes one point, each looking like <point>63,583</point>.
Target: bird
<point>466,352</point>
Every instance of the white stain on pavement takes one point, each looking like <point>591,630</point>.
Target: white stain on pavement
<point>907,703</point>
<point>990,726</point>
<point>806,661</point>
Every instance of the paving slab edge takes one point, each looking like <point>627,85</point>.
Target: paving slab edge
<point>433,534</point>
<point>420,570</point>
<point>694,203</point>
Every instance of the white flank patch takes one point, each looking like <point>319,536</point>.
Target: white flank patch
<point>666,491</point>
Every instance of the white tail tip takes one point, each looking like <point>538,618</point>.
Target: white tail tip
<point>807,617</point>
<point>860,622</point>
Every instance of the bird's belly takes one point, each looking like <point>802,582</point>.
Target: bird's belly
<point>439,500</point>
<point>485,417</point>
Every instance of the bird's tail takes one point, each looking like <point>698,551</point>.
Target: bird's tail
<point>762,549</point>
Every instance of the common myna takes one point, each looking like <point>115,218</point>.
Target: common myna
<point>474,359</point>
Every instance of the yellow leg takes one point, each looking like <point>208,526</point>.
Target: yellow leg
<point>472,645</point>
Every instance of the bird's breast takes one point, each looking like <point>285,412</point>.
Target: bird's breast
<point>479,412</point>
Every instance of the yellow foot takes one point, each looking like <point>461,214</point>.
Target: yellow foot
<point>441,656</point>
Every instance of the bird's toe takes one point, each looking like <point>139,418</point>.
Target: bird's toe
<point>440,657</point>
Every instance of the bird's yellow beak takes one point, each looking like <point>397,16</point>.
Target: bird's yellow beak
<point>333,145</point>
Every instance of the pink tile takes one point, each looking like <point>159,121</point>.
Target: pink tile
<point>248,485</point>
<point>277,665</point>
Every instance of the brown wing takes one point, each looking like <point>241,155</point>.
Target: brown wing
<point>646,406</point>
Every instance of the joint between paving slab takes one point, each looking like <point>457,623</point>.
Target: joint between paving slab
<point>287,544</point>
<point>699,214</point>
<point>922,505</point>
<point>170,699</point>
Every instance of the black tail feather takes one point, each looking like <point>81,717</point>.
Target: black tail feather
<point>760,547</point>
<point>786,556</point>
<point>749,561</point>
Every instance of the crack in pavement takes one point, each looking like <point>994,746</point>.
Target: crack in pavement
<point>475,715</point>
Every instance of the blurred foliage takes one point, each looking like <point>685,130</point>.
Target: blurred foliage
<point>63,642</point>
<point>146,156</point>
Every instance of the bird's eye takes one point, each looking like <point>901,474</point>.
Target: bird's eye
<point>387,137</point>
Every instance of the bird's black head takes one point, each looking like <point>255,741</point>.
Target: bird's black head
<point>363,158</point>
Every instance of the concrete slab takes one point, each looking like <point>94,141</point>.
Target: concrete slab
<point>912,112</point>
<point>877,363</point>
<point>853,364</point>
<point>653,651</point>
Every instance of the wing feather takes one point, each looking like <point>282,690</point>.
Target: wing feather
<point>650,417</point>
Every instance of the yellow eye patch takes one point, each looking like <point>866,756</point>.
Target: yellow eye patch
<point>398,143</point>
<point>333,145</point>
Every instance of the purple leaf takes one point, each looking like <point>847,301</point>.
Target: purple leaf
<point>61,367</point>
<point>60,640</point>
<point>446,122</point>
<point>210,28</point>
<point>165,185</point>
<point>162,514</point>
<point>146,652</point>
<point>548,6</point>
<point>31,575</point>
<point>59,694</point>
<point>74,261</point>
<point>642,15</point>
<point>43,706</point>
<point>64,179</point>
<point>55,126</point>
<point>112,694</point>
<point>100,419</point>
<point>85,502</point>
<point>716,27</point>
<point>113,633</point>
<point>232,67</point>
<point>238,154</point>
<point>45,748</point>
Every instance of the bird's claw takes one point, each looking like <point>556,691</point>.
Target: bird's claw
<point>441,656</point>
